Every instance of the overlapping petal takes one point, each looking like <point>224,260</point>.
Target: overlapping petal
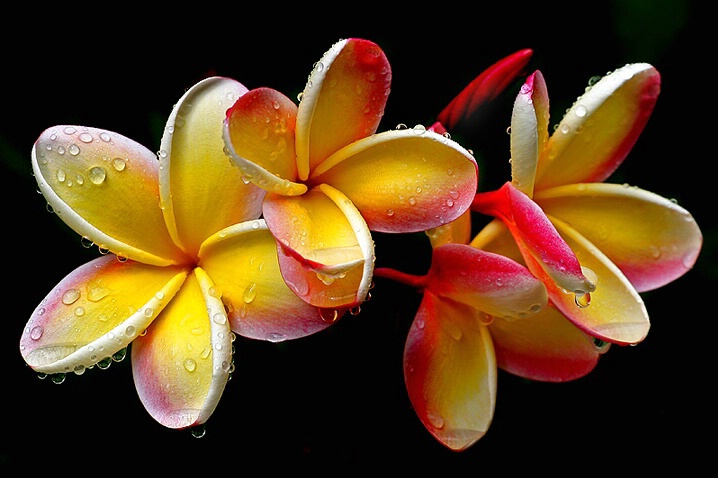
<point>182,364</point>
<point>545,251</point>
<point>411,180</point>
<point>201,191</point>
<point>601,127</point>
<point>96,311</point>
<point>105,187</point>
<point>343,101</point>
<point>450,371</point>
<point>650,238</point>
<point>242,261</point>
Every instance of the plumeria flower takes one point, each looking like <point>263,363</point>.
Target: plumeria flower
<point>190,264</point>
<point>450,365</point>
<point>331,179</point>
<point>630,239</point>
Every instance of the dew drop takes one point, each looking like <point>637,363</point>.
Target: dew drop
<point>74,149</point>
<point>329,315</point>
<point>119,164</point>
<point>97,175</point>
<point>250,293</point>
<point>70,296</point>
<point>36,332</point>
<point>190,365</point>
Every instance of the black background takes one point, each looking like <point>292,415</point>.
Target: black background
<point>336,400</point>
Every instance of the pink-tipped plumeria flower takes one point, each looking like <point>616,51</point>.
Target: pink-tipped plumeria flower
<point>450,366</point>
<point>191,261</point>
<point>331,179</point>
<point>631,239</point>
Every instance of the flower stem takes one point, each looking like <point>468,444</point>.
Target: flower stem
<point>415,281</point>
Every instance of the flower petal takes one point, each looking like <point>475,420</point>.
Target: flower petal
<point>488,282</point>
<point>457,231</point>
<point>616,312</point>
<point>201,191</point>
<point>182,364</point>
<point>546,347</point>
<point>529,132</point>
<point>450,372</point>
<point>410,180</point>
<point>484,88</point>
<point>259,135</point>
<point>545,251</point>
<point>600,128</point>
<point>95,311</point>
<point>342,102</point>
<point>650,238</point>
<point>105,187</point>
<point>327,251</point>
<point>242,261</point>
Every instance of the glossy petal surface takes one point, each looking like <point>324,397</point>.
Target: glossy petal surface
<point>650,238</point>
<point>410,180</point>
<point>259,134</point>
<point>182,363</point>
<point>342,102</point>
<point>601,127</point>
<point>545,250</point>
<point>545,347</point>
<point>104,186</point>
<point>95,311</point>
<point>242,261</point>
<point>202,192</point>
<point>323,240</point>
<point>450,372</point>
<point>487,282</point>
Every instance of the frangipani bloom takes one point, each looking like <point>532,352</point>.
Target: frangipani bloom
<point>191,261</point>
<point>331,179</point>
<point>631,239</point>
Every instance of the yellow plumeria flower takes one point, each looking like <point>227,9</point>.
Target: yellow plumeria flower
<point>631,239</point>
<point>192,263</point>
<point>331,179</point>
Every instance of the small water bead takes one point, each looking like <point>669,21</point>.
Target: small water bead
<point>79,369</point>
<point>104,136</point>
<point>120,355</point>
<point>61,176</point>
<point>119,164</point>
<point>329,315</point>
<point>219,318</point>
<point>105,363</point>
<point>250,293</point>
<point>581,111</point>
<point>79,311</point>
<point>36,332</point>
<point>190,365</point>
<point>57,378</point>
<point>70,296</point>
<point>74,149</point>
<point>198,431</point>
<point>130,331</point>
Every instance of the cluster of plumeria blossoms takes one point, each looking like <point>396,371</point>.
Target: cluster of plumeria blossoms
<point>256,216</point>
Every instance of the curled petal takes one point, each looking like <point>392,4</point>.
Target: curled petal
<point>327,251</point>
<point>259,135</point>
<point>242,261</point>
<point>546,347</point>
<point>529,132</point>
<point>450,372</point>
<point>484,88</point>
<point>615,313</point>
<point>201,191</point>
<point>600,128</point>
<point>95,311</point>
<point>105,187</point>
<point>411,180</point>
<point>650,238</point>
<point>182,364</point>
<point>488,282</point>
<point>545,251</point>
<point>343,101</point>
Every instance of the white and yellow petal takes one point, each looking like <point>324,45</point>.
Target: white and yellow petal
<point>105,187</point>
<point>600,128</point>
<point>650,238</point>
<point>182,364</point>
<point>259,134</point>
<point>327,252</point>
<point>201,190</point>
<point>450,372</point>
<point>411,180</point>
<point>242,261</point>
<point>96,311</point>
<point>343,101</point>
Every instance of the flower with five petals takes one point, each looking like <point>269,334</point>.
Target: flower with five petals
<point>192,263</point>
<point>632,239</point>
<point>331,179</point>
